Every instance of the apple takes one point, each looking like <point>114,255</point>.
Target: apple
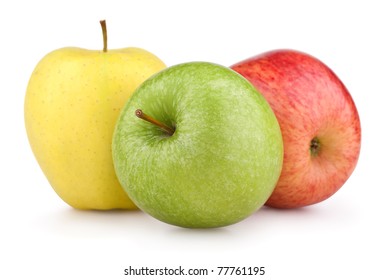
<point>319,123</point>
<point>196,146</point>
<point>72,102</point>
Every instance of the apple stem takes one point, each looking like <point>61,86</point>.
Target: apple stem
<point>315,146</point>
<point>105,39</point>
<point>139,113</point>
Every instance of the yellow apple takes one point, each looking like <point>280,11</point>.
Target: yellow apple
<point>72,102</point>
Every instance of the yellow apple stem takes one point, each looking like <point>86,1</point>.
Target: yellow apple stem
<point>105,39</point>
<point>163,126</point>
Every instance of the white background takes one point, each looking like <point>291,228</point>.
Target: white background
<point>345,237</point>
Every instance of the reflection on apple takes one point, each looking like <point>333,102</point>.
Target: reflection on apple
<point>197,146</point>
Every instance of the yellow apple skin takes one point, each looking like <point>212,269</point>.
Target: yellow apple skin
<point>73,99</point>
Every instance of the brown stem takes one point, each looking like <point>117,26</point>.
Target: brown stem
<point>105,39</point>
<point>146,117</point>
<point>315,146</point>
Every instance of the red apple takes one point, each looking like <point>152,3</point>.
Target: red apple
<point>319,123</point>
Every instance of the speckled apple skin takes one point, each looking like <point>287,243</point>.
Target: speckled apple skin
<point>222,162</point>
<point>309,101</point>
<point>72,102</point>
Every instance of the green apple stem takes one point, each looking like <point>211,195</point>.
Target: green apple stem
<point>105,39</point>
<point>139,113</point>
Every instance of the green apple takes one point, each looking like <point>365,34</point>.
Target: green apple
<point>210,153</point>
<point>72,102</point>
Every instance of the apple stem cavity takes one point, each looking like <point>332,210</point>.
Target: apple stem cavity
<point>314,147</point>
<point>105,37</point>
<point>139,113</point>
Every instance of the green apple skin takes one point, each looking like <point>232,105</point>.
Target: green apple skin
<point>223,160</point>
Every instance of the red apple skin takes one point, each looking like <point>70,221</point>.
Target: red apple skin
<point>310,102</point>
